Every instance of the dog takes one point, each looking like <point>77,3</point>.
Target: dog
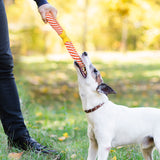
<point>111,125</point>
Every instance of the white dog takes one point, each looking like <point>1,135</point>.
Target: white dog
<point>112,125</point>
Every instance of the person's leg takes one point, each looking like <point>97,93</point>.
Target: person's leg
<point>10,112</point>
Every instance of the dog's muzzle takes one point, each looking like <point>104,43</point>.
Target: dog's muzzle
<point>82,70</point>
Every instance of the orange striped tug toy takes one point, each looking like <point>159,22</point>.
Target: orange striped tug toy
<point>71,49</point>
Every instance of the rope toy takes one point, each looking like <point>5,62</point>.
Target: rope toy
<point>60,31</point>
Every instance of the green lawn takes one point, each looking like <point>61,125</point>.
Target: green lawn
<point>51,104</point>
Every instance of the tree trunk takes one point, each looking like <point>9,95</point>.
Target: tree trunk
<point>124,35</point>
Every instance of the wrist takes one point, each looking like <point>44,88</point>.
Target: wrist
<point>41,2</point>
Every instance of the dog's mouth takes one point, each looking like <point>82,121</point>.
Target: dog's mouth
<point>81,69</point>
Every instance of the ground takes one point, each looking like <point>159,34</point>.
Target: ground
<point>51,105</point>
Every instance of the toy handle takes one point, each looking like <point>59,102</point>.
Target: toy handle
<point>56,26</point>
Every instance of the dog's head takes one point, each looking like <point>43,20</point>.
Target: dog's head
<point>92,81</point>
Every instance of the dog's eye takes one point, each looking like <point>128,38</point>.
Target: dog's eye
<point>95,71</point>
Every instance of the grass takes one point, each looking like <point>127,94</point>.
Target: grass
<point>51,106</point>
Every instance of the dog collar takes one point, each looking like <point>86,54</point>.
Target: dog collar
<point>95,108</point>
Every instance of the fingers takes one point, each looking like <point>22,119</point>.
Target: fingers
<point>54,12</point>
<point>47,8</point>
<point>43,15</point>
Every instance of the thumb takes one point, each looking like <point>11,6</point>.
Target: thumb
<point>43,15</point>
<point>54,12</point>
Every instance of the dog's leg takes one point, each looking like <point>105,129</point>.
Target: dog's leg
<point>104,144</point>
<point>157,139</point>
<point>157,143</point>
<point>147,148</point>
<point>92,151</point>
<point>103,152</point>
<point>147,153</point>
<point>93,146</point>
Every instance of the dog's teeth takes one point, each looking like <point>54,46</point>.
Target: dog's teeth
<point>84,69</point>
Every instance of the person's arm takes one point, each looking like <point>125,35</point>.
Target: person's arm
<point>41,2</point>
<point>44,7</point>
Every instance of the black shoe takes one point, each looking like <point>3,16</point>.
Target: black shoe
<point>25,142</point>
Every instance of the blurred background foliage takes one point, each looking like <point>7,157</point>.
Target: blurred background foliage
<point>94,25</point>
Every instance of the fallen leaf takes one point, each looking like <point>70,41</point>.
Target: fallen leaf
<point>53,136</point>
<point>76,128</point>
<point>73,156</point>
<point>61,138</point>
<point>76,95</point>
<point>112,150</point>
<point>39,114</point>
<point>114,158</point>
<point>15,156</point>
<point>44,89</point>
<point>39,122</point>
<point>64,87</point>
<point>65,135</point>
<point>119,147</point>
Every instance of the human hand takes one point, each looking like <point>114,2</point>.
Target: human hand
<point>47,8</point>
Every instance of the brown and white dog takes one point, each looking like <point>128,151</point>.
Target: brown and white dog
<point>112,125</point>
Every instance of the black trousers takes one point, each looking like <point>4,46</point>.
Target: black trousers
<point>10,112</point>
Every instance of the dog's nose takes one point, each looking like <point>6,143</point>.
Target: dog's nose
<point>85,54</point>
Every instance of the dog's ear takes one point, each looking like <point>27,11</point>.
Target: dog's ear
<point>105,89</point>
